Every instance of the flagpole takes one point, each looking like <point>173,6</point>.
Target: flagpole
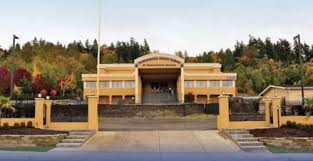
<point>99,47</point>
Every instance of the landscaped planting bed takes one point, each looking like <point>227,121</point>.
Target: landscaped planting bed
<point>282,132</point>
<point>292,137</point>
<point>28,131</point>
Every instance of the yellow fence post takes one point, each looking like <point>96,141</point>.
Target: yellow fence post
<point>267,109</point>
<point>48,104</point>
<point>39,103</point>
<point>223,121</point>
<point>276,103</point>
<point>93,112</point>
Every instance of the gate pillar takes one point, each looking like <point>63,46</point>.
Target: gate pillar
<point>276,103</point>
<point>223,118</point>
<point>93,113</point>
<point>48,104</point>
<point>267,111</point>
<point>39,103</point>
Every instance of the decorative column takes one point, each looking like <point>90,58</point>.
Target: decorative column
<point>110,99</point>
<point>223,118</point>
<point>276,103</point>
<point>267,111</point>
<point>39,103</point>
<point>93,113</point>
<point>137,99</point>
<point>48,104</point>
<point>182,78</point>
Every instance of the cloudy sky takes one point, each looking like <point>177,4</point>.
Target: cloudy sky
<point>168,25</point>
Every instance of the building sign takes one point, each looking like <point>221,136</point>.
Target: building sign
<point>159,61</point>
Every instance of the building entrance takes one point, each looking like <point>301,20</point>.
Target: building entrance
<point>159,87</point>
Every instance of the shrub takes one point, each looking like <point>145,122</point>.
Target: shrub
<point>291,124</point>
<point>29,124</point>
<point>16,124</point>
<point>23,124</point>
<point>6,124</point>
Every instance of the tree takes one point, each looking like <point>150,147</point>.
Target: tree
<point>66,83</point>
<point>4,79</point>
<point>20,74</point>
<point>40,84</point>
<point>26,87</point>
<point>5,103</point>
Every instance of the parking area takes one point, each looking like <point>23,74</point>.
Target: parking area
<point>160,141</point>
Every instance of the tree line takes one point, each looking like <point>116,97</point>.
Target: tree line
<point>55,69</point>
<point>260,63</point>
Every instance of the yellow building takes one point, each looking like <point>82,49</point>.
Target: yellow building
<point>290,94</point>
<point>160,78</point>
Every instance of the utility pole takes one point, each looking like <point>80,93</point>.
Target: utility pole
<point>12,67</point>
<point>297,40</point>
<point>99,46</point>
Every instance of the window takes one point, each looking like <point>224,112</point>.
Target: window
<point>129,84</point>
<point>201,84</point>
<point>227,83</point>
<point>104,84</point>
<point>90,85</point>
<point>117,84</point>
<point>188,84</point>
<point>214,83</point>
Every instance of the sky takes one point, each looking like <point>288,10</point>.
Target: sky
<point>168,25</point>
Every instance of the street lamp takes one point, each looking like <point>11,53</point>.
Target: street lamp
<point>13,65</point>
<point>297,40</point>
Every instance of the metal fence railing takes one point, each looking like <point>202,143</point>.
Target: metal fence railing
<point>246,109</point>
<point>69,113</point>
<point>23,109</point>
<point>290,108</point>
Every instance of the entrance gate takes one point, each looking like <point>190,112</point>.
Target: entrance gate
<point>155,117</point>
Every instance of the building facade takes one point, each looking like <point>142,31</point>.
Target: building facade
<point>289,94</point>
<point>159,78</point>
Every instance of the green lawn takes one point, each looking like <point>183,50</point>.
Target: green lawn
<point>275,149</point>
<point>27,149</point>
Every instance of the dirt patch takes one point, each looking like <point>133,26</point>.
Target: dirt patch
<point>282,132</point>
<point>28,131</point>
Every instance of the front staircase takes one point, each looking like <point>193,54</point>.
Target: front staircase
<point>76,138</point>
<point>159,98</point>
<point>245,140</point>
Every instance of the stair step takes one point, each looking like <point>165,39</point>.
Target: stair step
<point>250,143</point>
<point>238,132</point>
<point>81,130</point>
<point>241,136</point>
<point>253,148</point>
<point>246,139</point>
<point>80,133</point>
<point>73,140</point>
<point>68,145</point>
<point>76,137</point>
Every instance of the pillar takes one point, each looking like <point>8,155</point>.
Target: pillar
<point>48,104</point>
<point>39,103</point>
<point>110,99</point>
<point>276,103</point>
<point>195,98</point>
<point>208,99</point>
<point>137,99</point>
<point>223,112</point>
<point>182,79</point>
<point>267,111</point>
<point>93,113</point>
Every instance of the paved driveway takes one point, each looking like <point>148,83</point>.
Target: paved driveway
<point>160,141</point>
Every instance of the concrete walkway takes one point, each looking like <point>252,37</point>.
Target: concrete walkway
<point>154,146</point>
<point>160,141</point>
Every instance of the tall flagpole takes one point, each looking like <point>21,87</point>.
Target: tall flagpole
<point>99,46</point>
